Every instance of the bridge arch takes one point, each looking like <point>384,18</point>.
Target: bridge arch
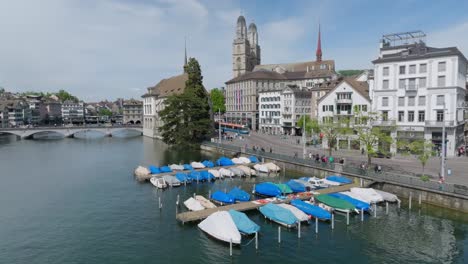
<point>30,134</point>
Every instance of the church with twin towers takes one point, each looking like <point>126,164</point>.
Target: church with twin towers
<point>245,48</point>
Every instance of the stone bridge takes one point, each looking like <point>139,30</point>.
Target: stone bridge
<point>28,133</point>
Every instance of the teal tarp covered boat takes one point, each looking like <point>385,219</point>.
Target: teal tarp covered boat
<point>243,223</point>
<point>278,214</point>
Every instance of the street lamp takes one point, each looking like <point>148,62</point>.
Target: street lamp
<point>303,137</point>
<point>442,161</point>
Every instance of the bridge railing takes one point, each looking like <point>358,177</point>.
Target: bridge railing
<point>68,127</point>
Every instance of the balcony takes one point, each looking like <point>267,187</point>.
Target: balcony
<point>440,123</point>
<point>343,113</point>
<point>411,88</point>
<point>344,101</point>
<point>384,123</point>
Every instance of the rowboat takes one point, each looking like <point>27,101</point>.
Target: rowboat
<point>197,165</point>
<point>368,195</point>
<point>296,186</point>
<point>158,182</point>
<point>272,167</point>
<point>221,226</point>
<point>226,173</point>
<point>216,174</point>
<point>389,197</point>
<point>222,198</point>
<point>261,168</point>
<point>176,167</point>
<point>171,180</point>
<point>239,195</point>
<point>244,160</point>
<point>360,205</point>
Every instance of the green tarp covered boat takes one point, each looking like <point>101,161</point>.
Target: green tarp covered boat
<point>336,203</point>
<point>284,188</point>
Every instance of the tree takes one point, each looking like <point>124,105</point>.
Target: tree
<point>217,98</point>
<point>374,139</point>
<point>422,149</point>
<point>64,96</point>
<point>311,125</point>
<point>105,112</point>
<point>350,72</point>
<point>331,130</point>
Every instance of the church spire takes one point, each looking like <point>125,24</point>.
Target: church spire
<point>185,49</point>
<point>318,53</point>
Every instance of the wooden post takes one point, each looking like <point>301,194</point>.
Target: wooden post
<point>409,200</point>
<point>279,234</point>
<point>177,203</point>
<point>419,199</point>
<point>375,209</point>
<point>299,229</point>
<point>160,204</point>
<point>347,217</point>
<point>256,240</point>
<point>284,170</point>
<point>333,221</point>
<point>386,207</point>
<point>362,214</point>
<point>399,204</point>
<point>230,247</point>
<point>209,194</point>
<point>361,183</point>
<point>316,225</point>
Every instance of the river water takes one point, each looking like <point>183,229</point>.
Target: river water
<point>76,201</point>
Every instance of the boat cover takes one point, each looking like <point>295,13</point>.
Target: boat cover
<point>223,161</point>
<point>188,167</point>
<point>311,209</point>
<point>253,159</point>
<point>389,197</point>
<point>176,167</point>
<point>221,226</point>
<point>215,173</point>
<point>204,202</point>
<point>197,165</point>
<point>284,188</point>
<point>206,176</point>
<point>278,214</point>
<point>195,176</point>
<point>334,202</point>
<point>237,171</point>
<point>226,172</point>
<point>154,170</point>
<point>244,160</point>
<point>306,184</point>
<point>261,168</point>
<point>171,180</point>
<point>245,169</point>
<point>331,183</point>
<point>301,216</point>
<point>208,163</point>
<point>165,169</point>
<point>182,177</point>
<point>369,195</point>
<point>239,195</point>
<point>339,179</point>
<point>267,189</point>
<point>222,197</point>
<point>193,205</point>
<point>243,223</point>
<point>296,186</point>
<point>236,161</point>
<point>357,203</point>
<point>272,167</point>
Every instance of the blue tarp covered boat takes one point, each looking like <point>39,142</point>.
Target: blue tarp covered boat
<point>165,169</point>
<point>253,159</point>
<point>339,179</point>
<point>278,214</point>
<point>188,167</point>
<point>206,176</point>
<point>222,198</point>
<point>357,203</point>
<point>223,161</point>
<point>296,186</point>
<point>267,189</point>
<point>239,195</point>
<point>154,170</point>
<point>311,209</point>
<point>243,223</point>
<point>208,163</point>
<point>195,176</point>
<point>182,177</point>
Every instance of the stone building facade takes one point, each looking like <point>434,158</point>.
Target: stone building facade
<point>132,112</point>
<point>245,48</point>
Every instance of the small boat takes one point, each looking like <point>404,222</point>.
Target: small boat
<point>339,179</point>
<point>188,167</point>
<point>239,195</point>
<point>236,161</point>
<point>245,160</point>
<point>216,174</point>
<point>237,172</point>
<point>253,172</point>
<point>317,182</point>
<point>389,197</point>
<point>331,183</point>
<point>158,182</point>
<point>261,168</point>
<point>208,163</point>
<point>182,177</point>
<point>243,223</point>
<point>223,161</point>
<point>309,186</point>
<point>222,198</point>
<point>165,169</point>
<point>360,205</point>
<point>193,205</point>
<point>368,195</point>
<point>226,173</point>
<point>296,186</point>
<point>206,176</point>
<point>176,167</point>
<point>336,203</point>
<point>278,214</point>
<point>245,169</point>
<point>204,202</point>
<point>312,210</point>
<point>301,216</point>
<point>284,188</point>
<point>253,159</point>
<point>197,165</point>
<point>267,189</point>
<point>195,176</point>
<point>221,226</point>
<point>154,170</point>
<point>171,180</point>
<point>272,167</point>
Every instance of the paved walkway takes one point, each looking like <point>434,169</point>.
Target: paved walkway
<point>398,164</point>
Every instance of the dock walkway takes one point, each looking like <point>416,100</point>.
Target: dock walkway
<point>246,206</point>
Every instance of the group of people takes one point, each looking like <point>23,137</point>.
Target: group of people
<point>258,148</point>
<point>322,158</point>
<point>461,151</point>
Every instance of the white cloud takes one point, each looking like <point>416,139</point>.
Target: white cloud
<point>455,35</point>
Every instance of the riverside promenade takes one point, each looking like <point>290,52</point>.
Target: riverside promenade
<point>399,164</point>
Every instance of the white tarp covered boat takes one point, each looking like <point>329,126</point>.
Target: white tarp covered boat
<point>176,167</point>
<point>171,180</point>
<point>158,182</point>
<point>237,161</point>
<point>389,197</point>
<point>193,205</point>
<point>237,171</point>
<point>221,226</point>
<point>301,216</point>
<point>369,194</point>
<point>331,183</point>
<point>317,182</point>
<point>216,174</point>
<point>357,197</point>
<point>197,165</point>
<point>204,202</point>
<point>272,167</point>
<point>226,173</point>
<point>245,160</point>
<point>245,169</point>
<point>261,168</point>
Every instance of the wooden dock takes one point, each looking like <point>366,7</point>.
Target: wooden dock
<point>246,206</point>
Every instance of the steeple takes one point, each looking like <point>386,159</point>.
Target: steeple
<point>185,49</point>
<point>318,53</point>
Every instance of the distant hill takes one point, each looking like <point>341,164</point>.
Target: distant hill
<point>347,73</point>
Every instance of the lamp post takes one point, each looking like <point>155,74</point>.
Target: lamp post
<point>219,128</point>
<point>303,138</point>
<point>442,161</point>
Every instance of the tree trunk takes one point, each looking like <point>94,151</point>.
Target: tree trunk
<point>369,160</point>
<point>423,169</point>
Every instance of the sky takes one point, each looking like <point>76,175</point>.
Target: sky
<point>108,49</point>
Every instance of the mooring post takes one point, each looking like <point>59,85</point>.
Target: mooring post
<point>279,234</point>
<point>362,183</point>
<point>209,194</point>
<point>299,229</point>
<point>386,207</point>
<point>316,225</point>
<point>409,201</point>
<point>230,247</point>
<point>160,204</point>
<point>399,204</point>
<point>177,203</point>
<point>375,209</point>
<point>347,217</point>
<point>284,170</point>
<point>362,214</point>
<point>419,199</point>
<point>333,221</point>
<point>256,240</point>
<point>193,195</point>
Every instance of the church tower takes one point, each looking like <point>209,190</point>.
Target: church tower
<point>245,48</point>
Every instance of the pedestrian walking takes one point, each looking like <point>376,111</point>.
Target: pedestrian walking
<point>271,150</point>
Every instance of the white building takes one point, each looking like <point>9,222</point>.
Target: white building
<point>412,85</point>
<point>269,102</point>
<point>342,102</point>
<point>295,103</point>
<point>73,112</point>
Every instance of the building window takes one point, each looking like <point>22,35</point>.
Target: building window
<point>423,68</point>
<point>422,82</point>
<point>385,84</point>
<point>412,84</point>
<point>440,100</point>
<point>422,100</point>
<point>402,69</point>
<point>440,115</point>
<point>401,83</point>
<point>410,116</point>
<point>401,101</point>
<point>421,116</point>
<point>441,66</point>
<point>386,71</point>
<point>441,81</point>
<point>384,115</point>
<point>384,101</point>
<point>411,100</point>
<point>364,108</point>
<point>401,116</point>
<point>412,69</point>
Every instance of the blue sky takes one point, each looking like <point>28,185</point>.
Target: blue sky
<point>100,49</point>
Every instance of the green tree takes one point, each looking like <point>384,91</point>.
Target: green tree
<point>347,73</point>
<point>64,96</point>
<point>332,129</point>
<point>374,139</point>
<point>105,112</point>
<point>311,125</point>
<point>217,98</point>
<point>421,149</point>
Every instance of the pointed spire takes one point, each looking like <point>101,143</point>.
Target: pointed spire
<point>185,48</point>
<point>319,47</point>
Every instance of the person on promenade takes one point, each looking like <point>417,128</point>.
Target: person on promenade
<point>362,151</point>
<point>310,155</point>
<point>331,159</point>
<point>295,155</point>
<point>271,150</point>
